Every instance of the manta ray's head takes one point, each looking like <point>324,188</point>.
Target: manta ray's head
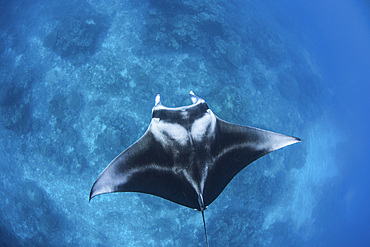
<point>195,99</point>
<point>171,114</point>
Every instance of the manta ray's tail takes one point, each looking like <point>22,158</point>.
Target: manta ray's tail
<point>205,228</point>
<point>202,208</point>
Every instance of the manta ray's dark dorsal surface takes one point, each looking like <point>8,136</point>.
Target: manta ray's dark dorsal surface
<point>188,155</point>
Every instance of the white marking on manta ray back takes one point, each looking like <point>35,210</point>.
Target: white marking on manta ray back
<point>271,142</point>
<point>162,130</point>
<point>203,126</point>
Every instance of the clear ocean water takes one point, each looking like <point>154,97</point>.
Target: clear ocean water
<point>77,83</point>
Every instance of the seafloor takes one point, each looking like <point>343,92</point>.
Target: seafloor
<point>77,84</point>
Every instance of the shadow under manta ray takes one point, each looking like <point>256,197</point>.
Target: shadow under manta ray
<point>188,155</point>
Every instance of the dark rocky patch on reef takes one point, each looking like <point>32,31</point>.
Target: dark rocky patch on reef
<point>78,36</point>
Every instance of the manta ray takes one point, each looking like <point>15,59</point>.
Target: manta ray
<point>188,155</point>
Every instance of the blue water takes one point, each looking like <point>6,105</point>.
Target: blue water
<point>78,81</point>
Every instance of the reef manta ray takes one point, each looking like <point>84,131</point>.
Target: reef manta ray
<point>188,155</point>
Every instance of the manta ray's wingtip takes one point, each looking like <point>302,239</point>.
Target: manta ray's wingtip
<point>295,139</point>
<point>91,196</point>
<point>292,140</point>
<point>94,191</point>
